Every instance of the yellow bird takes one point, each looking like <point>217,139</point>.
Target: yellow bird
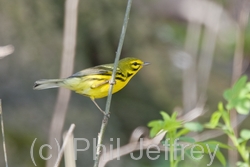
<point>94,82</point>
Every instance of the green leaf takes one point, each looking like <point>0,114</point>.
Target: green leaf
<point>221,158</point>
<point>154,131</point>
<point>240,140</point>
<point>214,120</point>
<point>226,119</point>
<point>182,132</point>
<point>187,139</point>
<point>165,116</point>
<point>193,126</point>
<point>243,92</point>
<point>220,106</point>
<point>245,134</point>
<point>174,115</point>
<point>248,96</point>
<point>171,125</point>
<point>239,84</point>
<point>243,106</point>
<point>248,86</point>
<point>236,92</point>
<point>156,126</point>
<point>168,124</point>
<point>155,123</point>
<point>228,94</point>
<point>213,144</point>
<point>242,164</point>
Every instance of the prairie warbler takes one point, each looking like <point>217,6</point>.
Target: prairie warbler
<point>94,82</point>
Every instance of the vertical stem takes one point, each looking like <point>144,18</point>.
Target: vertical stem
<point>68,55</point>
<point>171,152</point>
<point>65,143</point>
<point>118,53</point>
<point>190,89</point>
<point>69,153</point>
<point>2,129</point>
<point>237,67</point>
<point>172,156</point>
<point>112,82</point>
<point>211,31</point>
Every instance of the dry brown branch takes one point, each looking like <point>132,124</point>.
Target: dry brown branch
<point>194,113</point>
<point>65,143</point>
<point>69,153</point>
<point>213,21</point>
<point>69,44</point>
<point>190,89</point>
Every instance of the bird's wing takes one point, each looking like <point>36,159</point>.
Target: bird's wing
<point>101,69</point>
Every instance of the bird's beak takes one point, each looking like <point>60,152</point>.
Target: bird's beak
<point>146,63</point>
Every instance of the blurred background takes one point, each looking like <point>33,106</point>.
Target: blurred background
<point>196,50</point>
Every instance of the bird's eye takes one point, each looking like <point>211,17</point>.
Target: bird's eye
<point>135,63</point>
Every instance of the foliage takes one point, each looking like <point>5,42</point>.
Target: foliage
<point>177,130</point>
<point>238,98</point>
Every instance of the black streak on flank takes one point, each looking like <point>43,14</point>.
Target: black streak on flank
<point>129,74</point>
<point>121,79</point>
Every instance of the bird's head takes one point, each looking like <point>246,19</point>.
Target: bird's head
<point>131,64</point>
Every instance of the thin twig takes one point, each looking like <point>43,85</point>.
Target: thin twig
<point>112,82</point>
<point>193,114</point>
<point>2,128</point>
<point>65,142</point>
<point>237,68</point>
<point>69,44</point>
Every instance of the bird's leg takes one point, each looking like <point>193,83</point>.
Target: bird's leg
<point>99,107</point>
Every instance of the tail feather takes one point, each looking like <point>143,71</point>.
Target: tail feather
<point>47,84</point>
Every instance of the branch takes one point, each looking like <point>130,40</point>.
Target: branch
<point>237,67</point>
<point>112,82</point>
<point>3,135</point>
<point>69,133</point>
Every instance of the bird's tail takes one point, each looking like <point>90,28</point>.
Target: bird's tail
<point>48,83</point>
